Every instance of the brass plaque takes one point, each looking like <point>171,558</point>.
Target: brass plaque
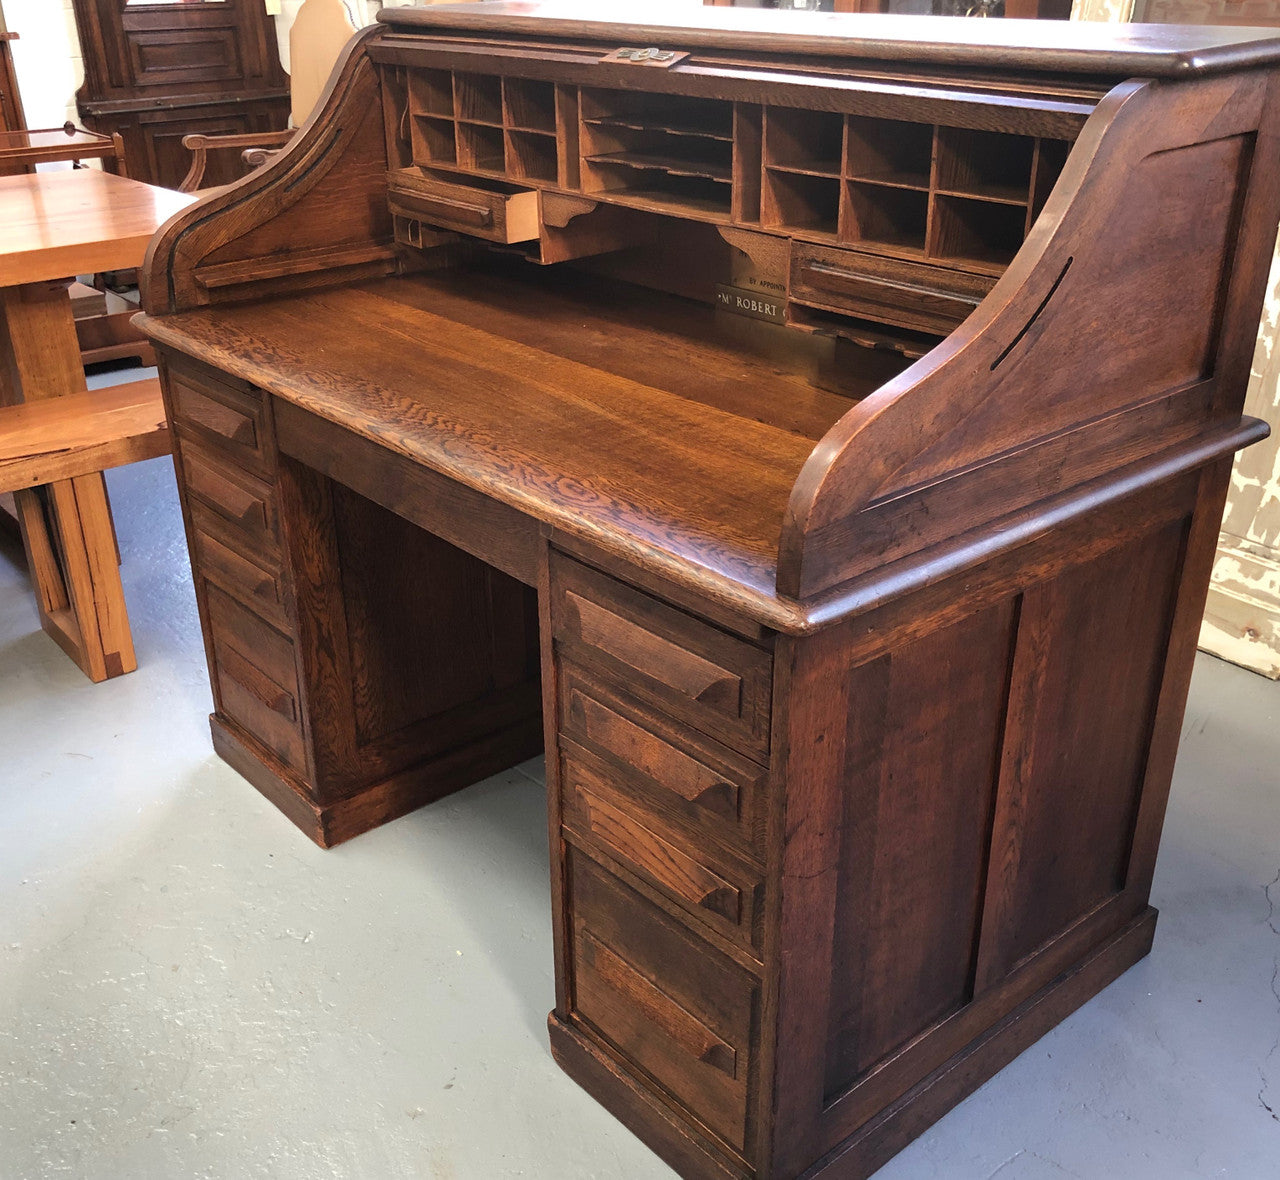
<point>759,305</point>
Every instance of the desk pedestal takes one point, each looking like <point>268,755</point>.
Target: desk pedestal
<point>810,890</point>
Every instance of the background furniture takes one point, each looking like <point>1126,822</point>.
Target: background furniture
<point>156,72</point>
<point>319,33</point>
<point>11,116</point>
<point>816,438</point>
<point>53,224</point>
<point>102,318</point>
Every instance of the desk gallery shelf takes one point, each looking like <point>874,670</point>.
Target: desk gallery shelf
<point>962,196</point>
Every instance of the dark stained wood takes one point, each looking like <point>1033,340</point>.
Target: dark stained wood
<point>155,73</point>
<point>857,635</point>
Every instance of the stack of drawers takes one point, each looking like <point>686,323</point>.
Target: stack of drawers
<point>663,748</point>
<point>227,451</point>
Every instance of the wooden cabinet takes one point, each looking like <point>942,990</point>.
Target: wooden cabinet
<point>156,71</point>
<point>814,437</point>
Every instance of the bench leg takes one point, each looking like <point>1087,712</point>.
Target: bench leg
<point>66,528</point>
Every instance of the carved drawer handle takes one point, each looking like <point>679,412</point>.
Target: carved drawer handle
<point>833,278</point>
<point>657,657</point>
<point>221,420</point>
<point>257,683</point>
<point>681,874</point>
<point>652,756</point>
<point>655,1005</point>
<point>446,209</point>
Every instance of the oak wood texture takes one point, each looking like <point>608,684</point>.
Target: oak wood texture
<point>51,225</point>
<point>44,441</point>
<point>80,222</point>
<point>859,633</point>
<point>157,72</point>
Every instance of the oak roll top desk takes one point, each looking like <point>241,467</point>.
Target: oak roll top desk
<point>814,434</point>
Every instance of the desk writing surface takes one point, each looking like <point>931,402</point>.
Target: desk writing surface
<point>491,387</point>
<point>53,224</point>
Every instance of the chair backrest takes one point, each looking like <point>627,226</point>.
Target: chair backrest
<point>320,30</point>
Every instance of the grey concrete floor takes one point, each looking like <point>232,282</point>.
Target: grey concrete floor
<point>189,988</point>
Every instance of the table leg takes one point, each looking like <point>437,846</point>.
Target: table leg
<point>66,528</point>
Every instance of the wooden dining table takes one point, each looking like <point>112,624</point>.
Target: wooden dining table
<point>53,226</point>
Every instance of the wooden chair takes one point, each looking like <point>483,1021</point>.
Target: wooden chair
<point>320,30</point>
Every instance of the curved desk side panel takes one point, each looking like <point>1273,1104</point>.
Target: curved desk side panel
<point>316,215</point>
<point>1162,210</point>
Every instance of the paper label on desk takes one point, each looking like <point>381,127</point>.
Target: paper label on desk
<point>756,304</point>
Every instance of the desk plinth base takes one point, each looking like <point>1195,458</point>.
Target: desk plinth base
<point>332,823</point>
<point>644,1112</point>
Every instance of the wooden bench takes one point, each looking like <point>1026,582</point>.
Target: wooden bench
<point>81,433</point>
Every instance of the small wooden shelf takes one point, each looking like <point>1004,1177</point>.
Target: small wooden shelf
<point>879,216</point>
<point>431,92</point>
<point>986,164</point>
<point>529,105</point>
<point>801,203</point>
<point>478,98</point>
<point>434,140</point>
<point>976,233</point>
<point>806,141</point>
<point>673,165</point>
<point>888,151</point>
<point>665,127</point>
<point>480,146</point>
<point>531,155</point>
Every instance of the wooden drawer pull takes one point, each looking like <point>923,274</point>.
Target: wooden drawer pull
<point>445,209</point>
<point>258,683</point>
<point>680,1025</point>
<point>214,416</point>
<point>652,655</point>
<point>670,867</point>
<point>225,565</point>
<point>662,762</point>
<point>877,290</point>
<point>224,495</point>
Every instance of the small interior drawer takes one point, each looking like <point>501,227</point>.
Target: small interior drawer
<point>484,208</point>
<point>237,500</point>
<point>709,885</point>
<point>690,780</point>
<point>907,294</point>
<point>691,1032</point>
<point>713,681</point>
<point>256,676</point>
<point>216,413</point>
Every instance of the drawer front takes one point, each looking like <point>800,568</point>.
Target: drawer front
<point>234,499</point>
<point>232,419</point>
<point>719,892</point>
<point>256,677</point>
<point>242,576</point>
<point>911,295</point>
<point>669,1004</point>
<point>694,783</point>
<point>496,213</point>
<point>713,681</point>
